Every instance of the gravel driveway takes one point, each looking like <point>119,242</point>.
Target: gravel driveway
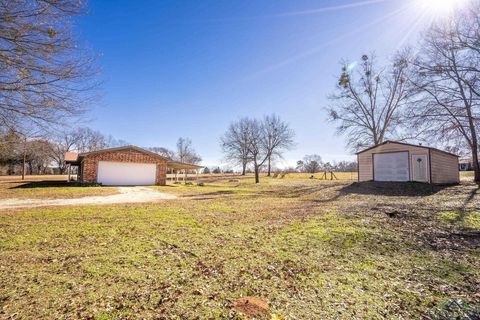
<point>125,195</point>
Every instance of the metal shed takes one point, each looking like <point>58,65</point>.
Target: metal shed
<point>398,161</point>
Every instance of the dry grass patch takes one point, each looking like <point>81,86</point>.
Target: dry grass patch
<point>48,187</point>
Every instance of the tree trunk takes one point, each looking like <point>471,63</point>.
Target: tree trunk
<point>244,168</point>
<point>257,176</point>
<point>473,131</point>
<point>269,167</point>
<point>474,148</point>
<point>476,168</point>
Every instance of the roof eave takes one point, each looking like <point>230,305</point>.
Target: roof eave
<point>85,154</point>
<point>181,165</point>
<point>407,144</point>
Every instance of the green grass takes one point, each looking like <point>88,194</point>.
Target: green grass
<point>469,219</point>
<point>313,249</point>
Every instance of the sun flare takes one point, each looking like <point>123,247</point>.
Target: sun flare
<point>439,7</point>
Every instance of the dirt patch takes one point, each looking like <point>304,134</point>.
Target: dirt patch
<point>125,195</point>
<point>251,306</point>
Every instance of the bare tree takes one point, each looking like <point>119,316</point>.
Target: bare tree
<point>61,144</point>
<point>78,140</point>
<point>368,101</point>
<point>186,153</point>
<point>115,143</point>
<point>19,152</point>
<point>447,67</point>
<point>90,140</point>
<point>38,156</point>
<point>235,143</point>
<point>345,166</point>
<point>258,142</point>
<point>277,138</point>
<point>44,77</point>
<point>11,148</point>
<point>164,152</point>
<point>310,164</point>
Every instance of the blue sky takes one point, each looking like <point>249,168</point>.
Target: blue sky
<point>189,68</point>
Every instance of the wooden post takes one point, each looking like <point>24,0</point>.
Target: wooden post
<point>185,176</point>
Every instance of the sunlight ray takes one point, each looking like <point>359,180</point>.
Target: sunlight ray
<point>328,43</point>
<point>297,13</point>
<point>411,29</point>
<point>325,9</point>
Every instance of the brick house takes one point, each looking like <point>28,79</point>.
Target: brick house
<point>129,165</point>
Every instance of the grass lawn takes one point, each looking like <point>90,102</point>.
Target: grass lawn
<point>47,187</point>
<point>313,249</point>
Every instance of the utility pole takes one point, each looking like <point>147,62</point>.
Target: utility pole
<point>24,158</point>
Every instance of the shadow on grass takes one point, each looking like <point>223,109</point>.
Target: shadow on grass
<point>393,189</point>
<point>209,195</point>
<point>296,192</point>
<point>388,189</point>
<point>44,184</point>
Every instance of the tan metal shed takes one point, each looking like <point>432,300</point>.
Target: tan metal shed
<point>398,161</point>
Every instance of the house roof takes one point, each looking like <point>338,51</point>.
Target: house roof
<point>76,158</point>
<point>182,166</point>
<point>129,147</point>
<point>407,144</point>
<point>71,156</point>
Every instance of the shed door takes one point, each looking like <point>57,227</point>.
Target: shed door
<point>126,173</point>
<point>420,167</point>
<point>391,166</point>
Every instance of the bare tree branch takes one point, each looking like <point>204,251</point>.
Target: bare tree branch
<point>368,103</point>
<point>44,76</point>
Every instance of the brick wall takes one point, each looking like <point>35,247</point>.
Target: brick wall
<point>90,163</point>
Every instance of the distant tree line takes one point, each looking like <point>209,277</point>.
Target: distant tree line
<point>309,164</point>
<point>217,170</point>
<point>427,94</point>
<point>313,164</point>
<point>43,155</point>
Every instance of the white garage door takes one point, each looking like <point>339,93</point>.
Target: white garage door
<point>126,174</point>
<point>391,166</point>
